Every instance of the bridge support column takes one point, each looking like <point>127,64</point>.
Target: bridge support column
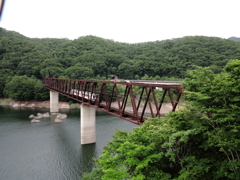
<point>88,124</point>
<point>53,101</point>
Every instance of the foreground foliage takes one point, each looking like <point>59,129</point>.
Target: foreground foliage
<point>199,142</point>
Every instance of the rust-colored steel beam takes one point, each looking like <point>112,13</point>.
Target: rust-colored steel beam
<point>134,102</point>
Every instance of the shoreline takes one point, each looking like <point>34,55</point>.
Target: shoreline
<point>35,104</point>
<point>166,108</point>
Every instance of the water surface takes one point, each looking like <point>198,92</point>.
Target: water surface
<point>49,150</point>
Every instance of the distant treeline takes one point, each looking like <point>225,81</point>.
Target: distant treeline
<point>237,39</point>
<point>91,57</point>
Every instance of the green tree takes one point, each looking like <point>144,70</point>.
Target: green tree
<point>76,72</point>
<point>157,77</point>
<point>6,76</point>
<point>40,92</point>
<point>95,174</point>
<point>25,88</point>
<point>51,72</point>
<point>199,142</point>
<point>20,88</point>
<point>24,68</point>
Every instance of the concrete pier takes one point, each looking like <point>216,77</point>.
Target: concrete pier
<point>53,101</point>
<point>88,124</point>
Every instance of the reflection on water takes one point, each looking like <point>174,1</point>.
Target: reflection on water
<point>49,150</point>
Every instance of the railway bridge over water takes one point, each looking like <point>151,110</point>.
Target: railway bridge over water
<point>134,101</point>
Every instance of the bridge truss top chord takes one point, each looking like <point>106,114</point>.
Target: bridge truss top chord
<point>134,102</point>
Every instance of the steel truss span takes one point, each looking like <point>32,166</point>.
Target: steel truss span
<point>134,102</point>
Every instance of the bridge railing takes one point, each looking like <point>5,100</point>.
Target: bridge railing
<point>134,102</point>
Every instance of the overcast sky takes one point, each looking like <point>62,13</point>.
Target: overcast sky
<point>128,21</point>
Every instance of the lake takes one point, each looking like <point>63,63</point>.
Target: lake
<point>49,150</point>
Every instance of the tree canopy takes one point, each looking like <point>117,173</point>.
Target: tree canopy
<point>200,141</point>
<point>25,88</point>
<point>91,57</point>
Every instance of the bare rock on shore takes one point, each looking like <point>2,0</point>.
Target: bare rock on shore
<point>40,115</point>
<point>31,116</point>
<point>35,104</point>
<point>58,117</point>
<point>35,120</point>
<point>61,116</point>
<point>57,120</point>
<point>46,115</point>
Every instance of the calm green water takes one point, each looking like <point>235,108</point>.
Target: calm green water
<point>48,150</point>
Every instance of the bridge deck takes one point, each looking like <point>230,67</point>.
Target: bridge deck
<point>129,101</point>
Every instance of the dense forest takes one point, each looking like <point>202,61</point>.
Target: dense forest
<point>24,59</point>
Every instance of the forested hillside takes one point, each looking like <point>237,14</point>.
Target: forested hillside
<point>237,39</point>
<point>97,58</point>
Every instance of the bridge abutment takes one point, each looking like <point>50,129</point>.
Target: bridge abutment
<point>88,124</point>
<point>54,101</point>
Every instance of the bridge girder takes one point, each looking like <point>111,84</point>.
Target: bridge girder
<point>130,104</point>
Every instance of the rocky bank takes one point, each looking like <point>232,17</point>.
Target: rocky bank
<point>33,104</point>
<point>166,107</point>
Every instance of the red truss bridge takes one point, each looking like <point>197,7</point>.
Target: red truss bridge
<point>134,101</point>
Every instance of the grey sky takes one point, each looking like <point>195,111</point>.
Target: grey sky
<point>122,20</point>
